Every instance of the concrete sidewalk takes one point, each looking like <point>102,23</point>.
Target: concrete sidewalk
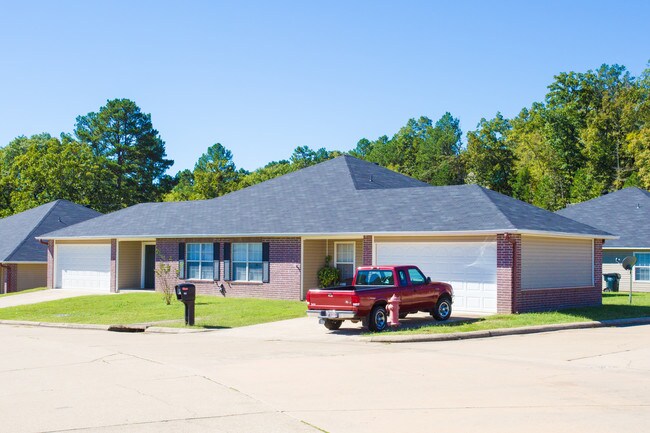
<point>42,296</point>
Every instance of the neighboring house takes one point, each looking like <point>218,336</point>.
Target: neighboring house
<point>625,213</point>
<point>23,259</point>
<point>269,240</point>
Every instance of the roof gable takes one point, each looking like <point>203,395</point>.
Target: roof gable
<point>18,232</point>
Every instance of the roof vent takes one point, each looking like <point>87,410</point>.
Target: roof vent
<point>638,206</point>
<point>371,178</point>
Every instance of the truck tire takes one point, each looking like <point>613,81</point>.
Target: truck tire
<point>442,311</point>
<point>378,320</point>
<point>333,325</point>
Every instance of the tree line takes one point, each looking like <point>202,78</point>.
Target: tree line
<point>590,135</point>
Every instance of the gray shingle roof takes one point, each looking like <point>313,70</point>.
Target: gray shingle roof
<point>18,232</point>
<point>625,213</point>
<point>343,195</point>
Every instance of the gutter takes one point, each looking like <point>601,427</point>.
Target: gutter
<point>368,233</point>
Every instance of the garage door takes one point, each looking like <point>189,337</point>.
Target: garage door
<point>470,267</point>
<point>85,267</point>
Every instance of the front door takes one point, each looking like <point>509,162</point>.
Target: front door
<point>149,267</point>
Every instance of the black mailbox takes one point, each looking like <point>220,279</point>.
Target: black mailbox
<point>186,293</point>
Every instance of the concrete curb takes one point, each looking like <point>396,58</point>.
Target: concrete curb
<point>113,328</point>
<point>417,338</point>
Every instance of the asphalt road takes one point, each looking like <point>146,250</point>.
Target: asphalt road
<point>294,376</point>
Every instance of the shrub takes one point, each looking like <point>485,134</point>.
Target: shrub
<point>327,275</point>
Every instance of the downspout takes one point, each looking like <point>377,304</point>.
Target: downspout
<point>513,293</point>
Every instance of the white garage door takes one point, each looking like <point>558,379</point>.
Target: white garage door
<point>470,267</point>
<point>86,267</point>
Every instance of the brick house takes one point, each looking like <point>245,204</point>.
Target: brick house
<point>23,259</point>
<point>269,240</point>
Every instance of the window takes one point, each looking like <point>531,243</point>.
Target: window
<point>416,276</point>
<point>402,278</point>
<point>375,277</point>
<point>200,265</point>
<point>247,262</point>
<point>344,259</point>
<point>642,267</point>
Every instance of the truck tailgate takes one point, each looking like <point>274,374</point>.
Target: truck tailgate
<point>336,299</point>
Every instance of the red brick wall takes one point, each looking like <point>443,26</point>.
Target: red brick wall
<point>50,264</point>
<point>598,264</point>
<point>113,265</point>
<point>367,250</point>
<point>508,282</point>
<point>556,299</point>
<point>284,269</point>
<point>10,276</point>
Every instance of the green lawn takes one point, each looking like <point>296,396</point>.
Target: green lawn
<point>131,308</point>
<point>615,306</point>
<point>38,289</point>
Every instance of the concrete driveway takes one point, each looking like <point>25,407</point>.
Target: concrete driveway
<point>249,380</point>
<point>43,296</point>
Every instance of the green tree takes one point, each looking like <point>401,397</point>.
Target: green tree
<point>51,169</point>
<point>215,173</point>
<point>183,188</point>
<point>122,134</point>
<point>489,157</point>
<point>437,160</point>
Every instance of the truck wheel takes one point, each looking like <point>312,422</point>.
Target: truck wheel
<point>378,320</point>
<point>333,325</point>
<point>442,311</point>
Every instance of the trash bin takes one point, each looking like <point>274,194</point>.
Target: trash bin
<point>612,282</point>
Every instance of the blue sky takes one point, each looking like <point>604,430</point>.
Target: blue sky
<point>265,77</point>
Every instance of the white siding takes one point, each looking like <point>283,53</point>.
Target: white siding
<point>548,263</point>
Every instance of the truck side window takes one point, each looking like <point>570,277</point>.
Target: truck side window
<point>402,278</point>
<point>416,276</point>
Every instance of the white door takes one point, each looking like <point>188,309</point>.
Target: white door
<point>84,267</point>
<point>470,268</point>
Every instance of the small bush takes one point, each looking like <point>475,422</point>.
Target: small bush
<point>327,275</point>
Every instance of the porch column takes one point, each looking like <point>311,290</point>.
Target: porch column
<point>50,264</point>
<point>367,250</point>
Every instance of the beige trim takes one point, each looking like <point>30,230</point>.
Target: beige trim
<point>24,263</point>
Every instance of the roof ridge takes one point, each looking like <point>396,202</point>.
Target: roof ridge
<point>484,191</point>
<point>26,238</point>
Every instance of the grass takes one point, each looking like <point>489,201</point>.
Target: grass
<point>615,306</point>
<point>38,289</point>
<point>132,308</point>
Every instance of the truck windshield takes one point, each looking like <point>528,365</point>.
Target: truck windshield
<point>375,277</point>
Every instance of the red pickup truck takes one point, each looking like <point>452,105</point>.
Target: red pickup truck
<point>365,300</point>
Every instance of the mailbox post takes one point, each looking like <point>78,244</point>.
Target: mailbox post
<point>186,293</point>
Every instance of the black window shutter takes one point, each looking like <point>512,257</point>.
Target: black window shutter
<point>265,262</point>
<point>226,261</point>
<point>181,260</point>
<point>215,257</point>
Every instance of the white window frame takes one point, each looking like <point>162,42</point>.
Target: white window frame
<point>354,255</point>
<point>200,262</point>
<point>643,267</point>
<point>248,262</point>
